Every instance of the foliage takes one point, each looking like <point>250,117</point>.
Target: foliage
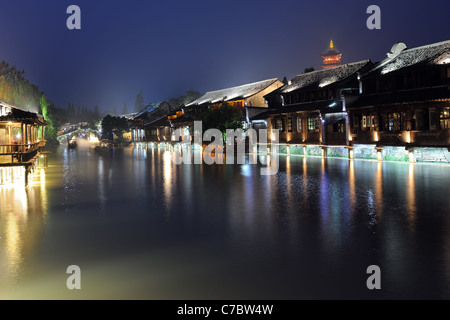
<point>222,117</point>
<point>190,96</point>
<point>17,90</point>
<point>114,125</point>
<point>125,109</point>
<point>139,104</point>
<point>81,114</point>
<point>57,117</point>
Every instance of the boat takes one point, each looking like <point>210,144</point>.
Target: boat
<point>72,144</point>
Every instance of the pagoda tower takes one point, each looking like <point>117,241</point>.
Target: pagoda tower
<point>332,58</point>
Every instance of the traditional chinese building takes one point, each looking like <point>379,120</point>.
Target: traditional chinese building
<point>310,109</point>
<point>331,58</point>
<point>405,101</point>
<point>21,141</point>
<point>248,97</point>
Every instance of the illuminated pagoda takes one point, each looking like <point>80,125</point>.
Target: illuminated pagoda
<point>332,58</point>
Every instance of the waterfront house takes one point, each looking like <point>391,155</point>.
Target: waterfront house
<point>21,140</point>
<point>405,102</point>
<point>310,109</point>
<point>248,97</point>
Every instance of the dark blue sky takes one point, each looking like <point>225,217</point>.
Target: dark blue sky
<point>169,47</point>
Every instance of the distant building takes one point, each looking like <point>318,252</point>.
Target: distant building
<point>331,58</point>
<point>249,97</point>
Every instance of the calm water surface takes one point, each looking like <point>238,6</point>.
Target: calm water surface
<point>140,227</point>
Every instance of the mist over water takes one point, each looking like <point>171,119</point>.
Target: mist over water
<point>141,227</point>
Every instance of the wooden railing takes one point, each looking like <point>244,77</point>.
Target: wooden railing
<point>21,152</point>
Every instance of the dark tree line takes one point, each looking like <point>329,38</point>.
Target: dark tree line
<point>190,96</point>
<point>114,125</point>
<point>82,113</point>
<point>17,90</point>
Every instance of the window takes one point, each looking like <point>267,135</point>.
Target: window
<point>339,127</point>
<point>445,118</point>
<point>299,124</point>
<point>289,125</point>
<point>279,125</point>
<point>394,122</point>
<point>434,119</point>
<point>4,138</point>
<point>368,121</point>
<point>313,124</point>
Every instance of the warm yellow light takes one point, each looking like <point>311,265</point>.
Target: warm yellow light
<point>411,157</point>
<point>272,137</point>
<point>408,137</point>
<point>379,155</point>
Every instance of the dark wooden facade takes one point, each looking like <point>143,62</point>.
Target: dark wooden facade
<point>405,100</point>
<point>21,135</point>
<point>311,108</point>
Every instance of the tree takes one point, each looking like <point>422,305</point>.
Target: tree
<point>310,69</point>
<point>221,117</point>
<point>96,112</point>
<point>285,80</point>
<point>190,96</point>
<point>139,104</point>
<point>114,125</point>
<point>17,90</point>
<point>125,109</point>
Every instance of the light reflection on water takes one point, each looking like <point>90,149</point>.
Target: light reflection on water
<point>22,218</point>
<point>141,227</point>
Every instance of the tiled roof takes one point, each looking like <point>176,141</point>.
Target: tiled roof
<point>19,114</point>
<point>229,94</point>
<point>436,53</point>
<point>323,78</point>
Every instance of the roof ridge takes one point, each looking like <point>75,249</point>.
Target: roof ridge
<point>436,44</point>
<point>341,66</point>
<point>242,85</point>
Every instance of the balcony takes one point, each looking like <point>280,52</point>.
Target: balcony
<point>19,153</point>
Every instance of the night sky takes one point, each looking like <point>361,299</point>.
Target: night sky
<point>169,47</point>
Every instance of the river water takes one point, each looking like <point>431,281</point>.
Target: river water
<point>140,227</point>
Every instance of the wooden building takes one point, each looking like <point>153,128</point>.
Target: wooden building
<point>311,108</point>
<point>248,97</point>
<point>405,99</point>
<point>21,139</point>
